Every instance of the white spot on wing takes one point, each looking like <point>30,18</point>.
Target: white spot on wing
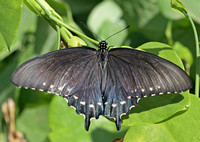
<point>82,115</point>
<point>142,90</point>
<point>114,105</point>
<point>132,107</point>
<point>66,100</point>
<point>82,103</point>
<point>113,118</point>
<point>41,90</point>
<point>91,105</point>
<point>60,88</point>
<point>69,89</point>
<point>122,102</point>
<point>75,97</point>
<point>122,115</point>
<point>138,100</point>
<point>92,118</point>
<point>73,107</point>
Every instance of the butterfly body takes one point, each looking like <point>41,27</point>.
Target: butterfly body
<point>101,82</point>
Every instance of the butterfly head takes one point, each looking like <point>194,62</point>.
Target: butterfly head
<point>103,44</point>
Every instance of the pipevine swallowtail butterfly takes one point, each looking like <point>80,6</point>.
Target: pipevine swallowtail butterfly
<point>101,82</point>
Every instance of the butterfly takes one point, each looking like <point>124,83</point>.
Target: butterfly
<point>101,82</point>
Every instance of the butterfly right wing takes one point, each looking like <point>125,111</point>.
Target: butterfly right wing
<point>131,74</point>
<point>72,73</point>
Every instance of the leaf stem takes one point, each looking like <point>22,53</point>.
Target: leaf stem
<point>55,20</point>
<point>178,5</point>
<point>197,57</point>
<point>58,36</point>
<point>59,22</point>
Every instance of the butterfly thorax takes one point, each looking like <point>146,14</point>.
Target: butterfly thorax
<point>103,52</point>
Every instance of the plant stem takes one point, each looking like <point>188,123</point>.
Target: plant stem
<point>58,36</point>
<point>168,33</point>
<point>73,30</point>
<point>197,70</point>
<point>54,17</point>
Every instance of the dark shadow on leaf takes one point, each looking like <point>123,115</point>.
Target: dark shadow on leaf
<point>102,135</point>
<point>156,51</point>
<point>174,115</point>
<point>29,97</point>
<point>149,103</point>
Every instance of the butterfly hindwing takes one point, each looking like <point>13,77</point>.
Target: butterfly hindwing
<point>88,98</point>
<point>71,73</point>
<point>133,74</point>
<point>118,101</point>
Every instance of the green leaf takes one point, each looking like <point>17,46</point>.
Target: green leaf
<point>33,122</point>
<point>105,20</point>
<point>182,127</point>
<point>67,125</point>
<point>62,9</point>
<point>6,88</point>
<point>26,28</point>
<point>158,108</point>
<point>107,10</point>
<point>193,8</point>
<point>139,12</point>
<point>107,29</point>
<point>76,42</point>
<point>178,5</point>
<point>167,11</point>
<point>45,38</point>
<point>184,53</point>
<point>144,16</point>
<point>80,7</point>
<point>10,14</point>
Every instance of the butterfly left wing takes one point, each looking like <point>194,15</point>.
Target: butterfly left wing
<point>131,74</point>
<point>72,73</point>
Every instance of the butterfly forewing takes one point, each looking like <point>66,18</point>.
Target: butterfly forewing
<point>150,73</point>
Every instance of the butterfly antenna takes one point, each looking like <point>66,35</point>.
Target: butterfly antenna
<point>90,30</point>
<point>117,32</point>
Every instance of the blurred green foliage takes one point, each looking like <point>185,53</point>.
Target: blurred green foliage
<point>43,117</point>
